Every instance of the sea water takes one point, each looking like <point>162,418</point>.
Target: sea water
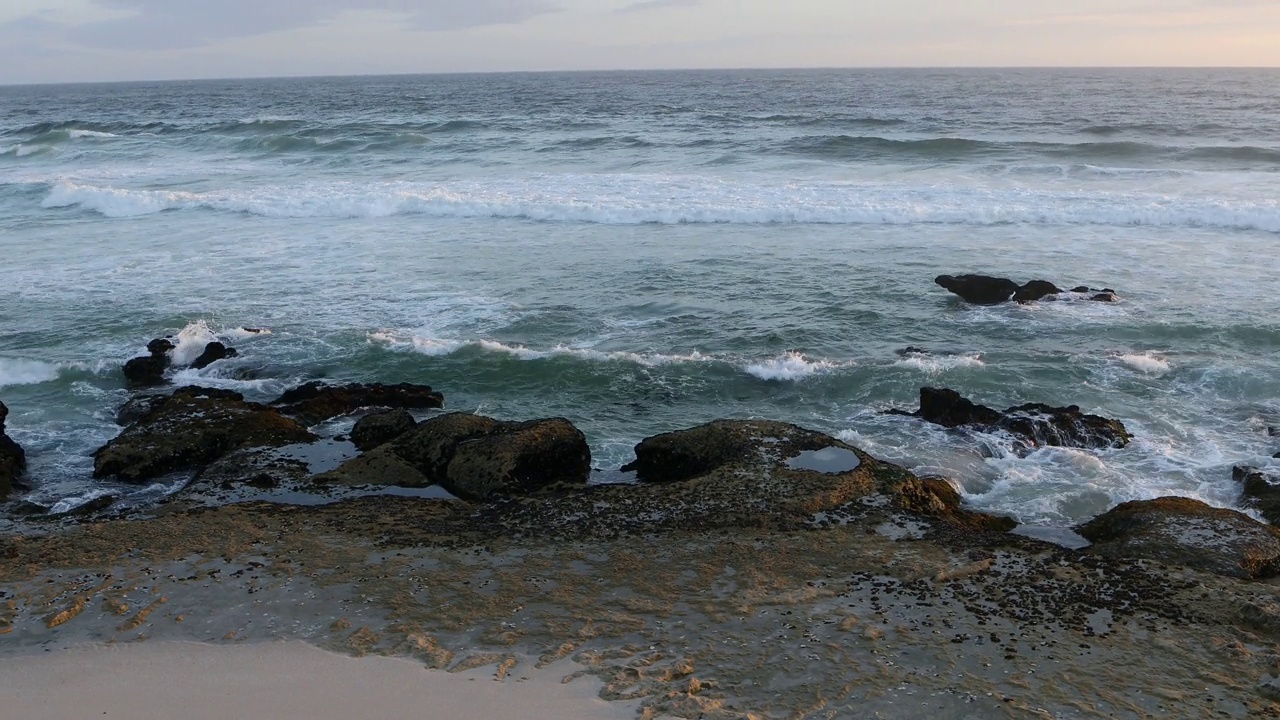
<point>642,252</point>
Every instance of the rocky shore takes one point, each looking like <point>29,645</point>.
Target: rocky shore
<point>750,568</point>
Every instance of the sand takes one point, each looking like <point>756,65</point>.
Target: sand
<point>279,681</point>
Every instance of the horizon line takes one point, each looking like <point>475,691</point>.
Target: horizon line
<point>442,73</point>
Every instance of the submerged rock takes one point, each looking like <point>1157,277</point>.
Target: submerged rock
<point>476,457</point>
<point>190,429</point>
<point>316,402</point>
<point>1036,424</point>
<point>987,290</point>
<point>1180,531</point>
<point>13,460</point>
<point>1260,489</point>
<point>213,352</point>
<point>377,429</point>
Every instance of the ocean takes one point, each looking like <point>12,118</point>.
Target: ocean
<point>646,251</point>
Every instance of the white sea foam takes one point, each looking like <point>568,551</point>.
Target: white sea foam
<point>91,134</point>
<point>442,346</point>
<point>936,364</point>
<point>26,372</point>
<point>191,341</point>
<point>242,333</point>
<point>1149,363</point>
<point>792,366</point>
<point>633,199</point>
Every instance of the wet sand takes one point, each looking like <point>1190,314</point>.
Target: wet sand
<point>279,681</point>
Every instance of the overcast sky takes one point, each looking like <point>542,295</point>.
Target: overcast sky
<point>88,40</point>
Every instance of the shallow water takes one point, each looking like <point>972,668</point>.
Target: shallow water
<point>641,252</point>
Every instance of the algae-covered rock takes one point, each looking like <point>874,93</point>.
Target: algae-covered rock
<point>190,429</point>
<point>316,402</point>
<point>1181,531</point>
<point>376,429</point>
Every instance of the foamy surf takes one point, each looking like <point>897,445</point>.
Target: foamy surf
<point>938,364</point>
<point>26,372</point>
<point>439,347</point>
<point>665,199</point>
<point>789,367</point>
<point>1149,362</point>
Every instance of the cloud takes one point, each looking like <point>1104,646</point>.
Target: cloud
<point>178,24</point>
<point>656,5</point>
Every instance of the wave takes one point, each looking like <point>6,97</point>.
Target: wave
<point>792,366</point>
<point>662,199</point>
<point>439,347</point>
<point>1149,363</point>
<point>858,146</point>
<point>26,372</point>
<point>937,364</point>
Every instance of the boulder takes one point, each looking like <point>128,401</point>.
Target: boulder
<point>1036,424</point>
<point>979,289</point>
<point>213,352</point>
<point>1180,531</point>
<point>1035,290</point>
<point>987,290</point>
<point>13,460</point>
<point>316,402</point>
<point>476,458</point>
<point>148,370</point>
<point>190,429</point>
<point>1259,489</point>
<point>376,429</point>
<point>753,472</point>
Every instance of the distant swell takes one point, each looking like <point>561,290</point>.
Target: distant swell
<point>635,199</point>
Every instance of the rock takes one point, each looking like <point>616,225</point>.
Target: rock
<point>910,350</point>
<point>148,370</point>
<point>476,458</point>
<point>213,352</point>
<point>190,429</point>
<point>1260,490</point>
<point>1180,531</point>
<point>1036,424</point>
<point>13,460</point>
<point>138,407</point>
<point>1104,297</point>
<point>373,430</point>
<point>256,467</point>
<point>316,402</point>
<point>1035,290</point>
<point>979,289</point>
<point>746,472</point>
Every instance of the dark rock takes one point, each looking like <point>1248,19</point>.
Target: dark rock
<point>731,468</point>
<point>1035,290</point>
<point>1185,532</point>
<point>1081,289</point>
<point>910,350</point>
<point>475,457</point>
<point>159,346</point>
<point>316,402</point>
<point>979,289</point>
<point>213,352</point>
<point>147,370</point>
<point>190,429</point>
<point>1036,424</point>
<point>1104,297</point>
<point>13,460</point>
<point>373,430</point>
<point>257,467</point>
<point>138,407</point>
<point>1260,490</point>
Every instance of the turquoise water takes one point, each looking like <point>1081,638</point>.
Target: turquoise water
<point>640,252</point>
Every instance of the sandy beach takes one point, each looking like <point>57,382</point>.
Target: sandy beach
<point>280,681</point>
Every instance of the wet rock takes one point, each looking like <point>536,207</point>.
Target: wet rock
<point>1180,531</point>
<point>316,402</point>
<point>987,290</point>
<point>1035,290</point>
<point>373,430</point>
<point>476,457</point>
<point>1036,424</point>
<point>979,289</point>
<point>190,429</point>
<point>148,370</point>
<point>937,497</point>
<point>213,352</point>
<point>138,407</point>
<point>1259,489</point>
<point>159,346</point>
<point>258,467</point>
<point>13,460</point>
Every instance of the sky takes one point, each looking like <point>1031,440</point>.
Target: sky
<point>106,40</point>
